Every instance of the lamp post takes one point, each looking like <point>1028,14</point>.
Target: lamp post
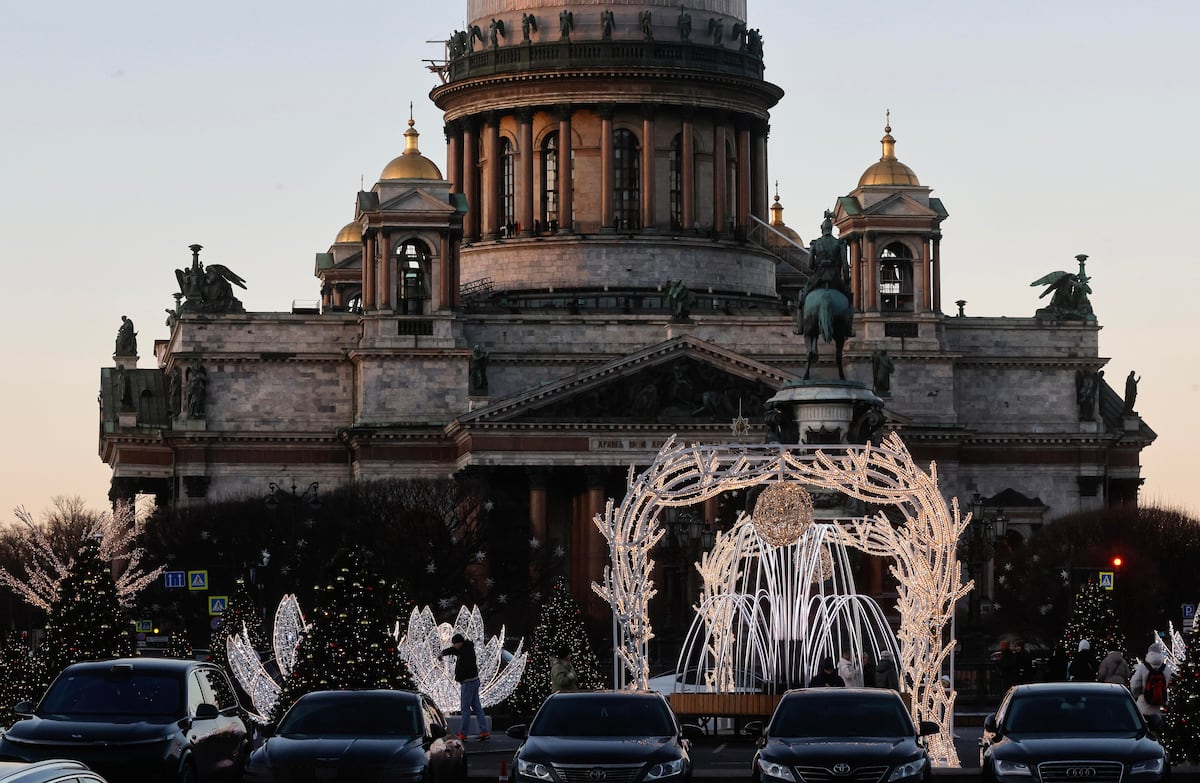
<point>277,494</point>
<point>978,547</point>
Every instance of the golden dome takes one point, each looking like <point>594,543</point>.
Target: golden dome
<point>888,171</point>
<point>351,232</point>
<point>778,224</point>
<point>411,164</point>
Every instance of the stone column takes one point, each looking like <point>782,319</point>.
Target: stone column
<point>387,293</point>
<point>743,177</point>
<point>444,270</point>
<point>720,177</point>
<point>760,187</point>
<point>925,300</point>
<point>454,156</point>
<point>597,547</point>
<point>871,294</point>
<point>368,293</point>
<point>607,214</point>
<point>936,273</point>
<point>525,117</point>
<point>491,178</point>
<point>470,179</point>
<point>565,178</point>
<point>649,217</point>
<point>857,273</point>
<point>687,151</point>
<point>537,520</point>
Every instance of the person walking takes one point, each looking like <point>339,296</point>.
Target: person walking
<point>886,674</point>
<point>1114,668</point>
<point>1006,666</point>
<point>563,676</point>
<point>466,674</point>
<point>868,670</point>
<point>827,677</point>
<point>848,670</point>
<point>1057,667</point>
<point>1149,684</point>
<point>1083,665</point>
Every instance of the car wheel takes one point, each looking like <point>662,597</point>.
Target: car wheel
<point>188,773</point>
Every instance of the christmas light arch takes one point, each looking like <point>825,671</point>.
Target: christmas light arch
<point>923,548</point>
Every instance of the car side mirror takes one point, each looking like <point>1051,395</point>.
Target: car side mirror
<point>517,732</point>
<point>207,711</point>
<point>753,729</point>
<point>928,727</point>
<point>436,731</point>
<point>691,732</point>
<point>23,709</point>
<point>989,723</point>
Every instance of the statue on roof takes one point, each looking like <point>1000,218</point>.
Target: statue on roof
<point>684,23</point>
<point>126,339</point>
<point>208,290</point>
<point>680,299</point>
<point>1070,300</point>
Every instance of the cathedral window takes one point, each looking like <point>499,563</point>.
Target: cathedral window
<point>508,195</point>
<point>627,177</point>
<point>412,260</point>
<point>675,182</point>
<point>896,278</point>
<point>550,182</point>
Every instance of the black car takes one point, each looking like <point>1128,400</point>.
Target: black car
<point>54,771</point>
<point>136,719</point>
<point>857,735</point>
<point>613,736</point>
<point>383,735</point>
<point>1067,731</point>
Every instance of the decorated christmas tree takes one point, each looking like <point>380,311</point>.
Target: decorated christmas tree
<point>1181,730</point>
<point>240,611</point>
<point>86,621</point>
<point>178,646</point>
<point>1092,618</point>
<point>560,624</point>
<point>349,642</point>
<point>14,662</point>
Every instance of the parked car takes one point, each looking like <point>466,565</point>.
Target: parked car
<point>1060,732</point>
<point>387,735</point>
<point>610,736</point>
<point>53,771</point>
<point>136,719</point>
<point>859,735</point>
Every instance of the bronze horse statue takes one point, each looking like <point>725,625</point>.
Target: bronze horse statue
<point>826,314</point>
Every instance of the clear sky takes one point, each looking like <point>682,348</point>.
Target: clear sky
<point>133,129</point>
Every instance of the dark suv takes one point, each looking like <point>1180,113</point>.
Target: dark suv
<point>56,771</point>
<point>136,719</point>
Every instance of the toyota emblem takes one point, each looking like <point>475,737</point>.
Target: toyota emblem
<point>1081,772</point>
<point>841,768</point>
<point>597,774</point>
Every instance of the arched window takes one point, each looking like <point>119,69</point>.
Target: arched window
<point>550,182</point>
<point>508,194</point>
<point>896,278</point>
<point>412,263</point>
<point>627,177</point>
<point>675,182</point>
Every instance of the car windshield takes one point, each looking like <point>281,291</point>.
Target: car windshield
<point>1071,713</point>
<point>119,692</point>
<point>603,716</point>
<point>841,717</point>
<point>353,716</point>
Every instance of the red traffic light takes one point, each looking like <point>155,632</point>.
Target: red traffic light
<point>1117,561</point>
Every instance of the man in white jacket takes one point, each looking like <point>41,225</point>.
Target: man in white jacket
<point>849,671</point>
<point>1149,684</point>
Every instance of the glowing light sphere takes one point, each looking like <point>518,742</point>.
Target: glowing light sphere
<point>782,513</point>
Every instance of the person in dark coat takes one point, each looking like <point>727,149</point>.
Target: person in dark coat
<point>1056,669</point>
<point>466,674</point>
<point>827,677</point>
<point>886,674</point>
<point>868,670</point>
<point>1083,665</point>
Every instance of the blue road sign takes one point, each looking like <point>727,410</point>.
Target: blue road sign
<point>197,580</point>
<point>175,578</point>
<point>144,626</point>
<point>217,604</point>
<point>1106,580</point>
<point>1189,611</point>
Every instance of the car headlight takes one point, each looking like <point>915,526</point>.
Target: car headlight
<point>774,769</point>
<point>1012,768</point>
<point>1147,767</point>
<point>532,770</point>
<point>665,769</point>
<point>909,769</point>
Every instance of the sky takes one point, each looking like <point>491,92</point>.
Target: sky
<point>135,128</point>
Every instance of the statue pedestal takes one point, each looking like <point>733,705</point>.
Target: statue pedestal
<point>1131,422</point>
<point>680,328</point>
<point>127,419</point>
<point>126,360</point>
<point>183,424</point>
<point>830,412</point>
<point>475,402</point>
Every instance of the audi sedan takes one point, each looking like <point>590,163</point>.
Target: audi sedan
<point>841,734</point>
<point>610,736</point>
<point>1070,732</point>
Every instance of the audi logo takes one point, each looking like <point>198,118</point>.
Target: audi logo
<point>841,769</point>
<point>1080,772</point>
<point>597,774</point>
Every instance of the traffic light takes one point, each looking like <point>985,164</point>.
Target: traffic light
<point>1116,562</point>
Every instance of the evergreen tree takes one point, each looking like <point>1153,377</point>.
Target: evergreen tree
<point>349,642</point>
<point>178,646</point>
<point>241,611</point>
<point>1092,618</point>
<point>560,624</point>
<point>1181,730</point>
<point>86,621</point>
<point>14,663</point>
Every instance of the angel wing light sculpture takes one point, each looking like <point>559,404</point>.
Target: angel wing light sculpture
<point>249,671</point>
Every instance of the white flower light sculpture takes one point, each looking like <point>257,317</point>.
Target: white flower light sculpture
<point>426,638</point>
<point>248,669</point>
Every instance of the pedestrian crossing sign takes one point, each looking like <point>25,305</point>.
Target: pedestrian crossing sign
<point>197,580</point>
<point>1106,580</point>
<point>217,604</point>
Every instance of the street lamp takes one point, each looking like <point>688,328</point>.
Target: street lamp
<point>977,548</point>
<point>277,494</point>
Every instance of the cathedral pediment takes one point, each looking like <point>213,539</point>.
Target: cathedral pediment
<point>680,381</point>
<point>900,205</point>
<point>417,200</point>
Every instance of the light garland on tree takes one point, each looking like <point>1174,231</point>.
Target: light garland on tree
<point>424,641</point>
<point>924,548</point>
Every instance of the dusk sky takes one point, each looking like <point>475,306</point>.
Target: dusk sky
<point>134,129</point>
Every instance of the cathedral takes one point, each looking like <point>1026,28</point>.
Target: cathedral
<point>600,264</point>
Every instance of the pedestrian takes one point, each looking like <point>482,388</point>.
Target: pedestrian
<point>466,674</point>
<point>827,677</point>
<point>1083,665</point>
<point>868,670</point>
<point>886,674</point>
<point>563,676</point>
<point>1006,666</point>
<point>849,671</point>
<point>1024,661</point>
<point>1056,669</point>
<point>1149,684</point>
<point>1113,668</point>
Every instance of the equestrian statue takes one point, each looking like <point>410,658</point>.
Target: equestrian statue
<point>824,308</point>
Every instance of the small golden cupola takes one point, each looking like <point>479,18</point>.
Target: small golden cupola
<point>888,171</point>
<point>411,164</point>
<point>778,224</point>
<point>350,233</point>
